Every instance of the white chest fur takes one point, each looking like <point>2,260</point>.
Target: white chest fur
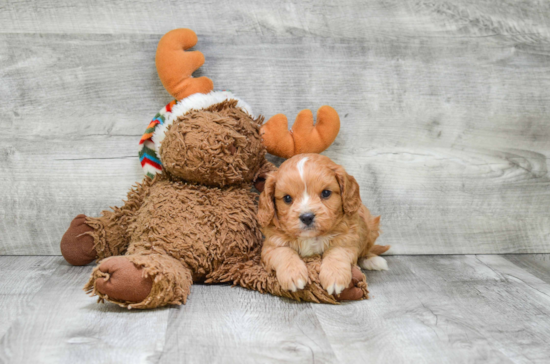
<point>311,246</point>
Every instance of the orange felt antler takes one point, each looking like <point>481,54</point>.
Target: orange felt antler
<point>304,136</point>
<point>175,66</point>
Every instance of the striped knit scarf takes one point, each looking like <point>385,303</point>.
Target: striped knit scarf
<point>150,162</point>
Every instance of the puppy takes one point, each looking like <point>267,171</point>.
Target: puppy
<point>312,206</point>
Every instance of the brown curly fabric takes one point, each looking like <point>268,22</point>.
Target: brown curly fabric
<point>198,225</point>
<point>197,221</point>
<point>110,231</point>
<point>216,146</point>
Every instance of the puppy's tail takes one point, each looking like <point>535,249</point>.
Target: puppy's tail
<point>372,261</point>
<point>379,249</point>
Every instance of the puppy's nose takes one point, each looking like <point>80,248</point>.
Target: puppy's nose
<point>307,218</point>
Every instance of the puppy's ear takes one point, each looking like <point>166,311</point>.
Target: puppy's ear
<point>266,210</point>
<point>349,190</point>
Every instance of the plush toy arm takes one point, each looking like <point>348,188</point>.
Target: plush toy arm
<point>305,137</point>
<point>175,66</point>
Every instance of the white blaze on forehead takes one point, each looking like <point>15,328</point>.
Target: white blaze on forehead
<point>304,205</point>
<point>300,167</point>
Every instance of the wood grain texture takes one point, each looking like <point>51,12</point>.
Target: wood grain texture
<point>232,325</point>
<point>536,264</point>
<point>428,309</point>
<point>452,309</point>
<point>443,106</point>
<point>345,18</point>
<point>21,278</point>
<point>66,326</point>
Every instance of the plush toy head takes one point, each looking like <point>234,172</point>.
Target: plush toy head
<point>216,146</point>
<point>212,137</point>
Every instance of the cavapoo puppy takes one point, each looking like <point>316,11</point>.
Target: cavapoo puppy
<point>312,206</point>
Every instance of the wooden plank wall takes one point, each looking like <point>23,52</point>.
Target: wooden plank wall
<point>444,107</point>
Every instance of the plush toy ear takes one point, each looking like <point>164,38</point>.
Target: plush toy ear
<point>349,190</point>
<point>260,177</point>
<point>305,137</point>
<point>175,66</point>
<point>267,212</point>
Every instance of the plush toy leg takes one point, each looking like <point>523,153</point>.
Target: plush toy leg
<point>90,238</point>
<point>251,274</point>
<point>109,234</point>
<point>141,281</point>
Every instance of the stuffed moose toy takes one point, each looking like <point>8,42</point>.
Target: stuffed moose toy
<point>193,217</point>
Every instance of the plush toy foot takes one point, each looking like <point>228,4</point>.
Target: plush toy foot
<point>141,281</point>
<point>77,247</point>
<point>354,291</point>
<point>123,281</point>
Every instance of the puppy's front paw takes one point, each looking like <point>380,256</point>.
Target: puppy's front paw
<point>334,279</point>
<point>293,277</point>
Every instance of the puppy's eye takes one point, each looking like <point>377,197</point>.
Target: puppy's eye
<point>326,193</point>
<point>287,199</point>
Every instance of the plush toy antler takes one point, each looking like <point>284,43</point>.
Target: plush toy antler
<point>304,136</point>
<point>175,66</point>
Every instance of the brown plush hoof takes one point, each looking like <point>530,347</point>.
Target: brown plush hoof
<point>352,293</point>
<point>124,282</point>
<point>259,183</point>
<point>77,247</point>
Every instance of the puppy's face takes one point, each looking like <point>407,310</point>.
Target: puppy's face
<point>308,196</point>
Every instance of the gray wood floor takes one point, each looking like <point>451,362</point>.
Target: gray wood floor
<point>426,309</point>
<point>444,107</point>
